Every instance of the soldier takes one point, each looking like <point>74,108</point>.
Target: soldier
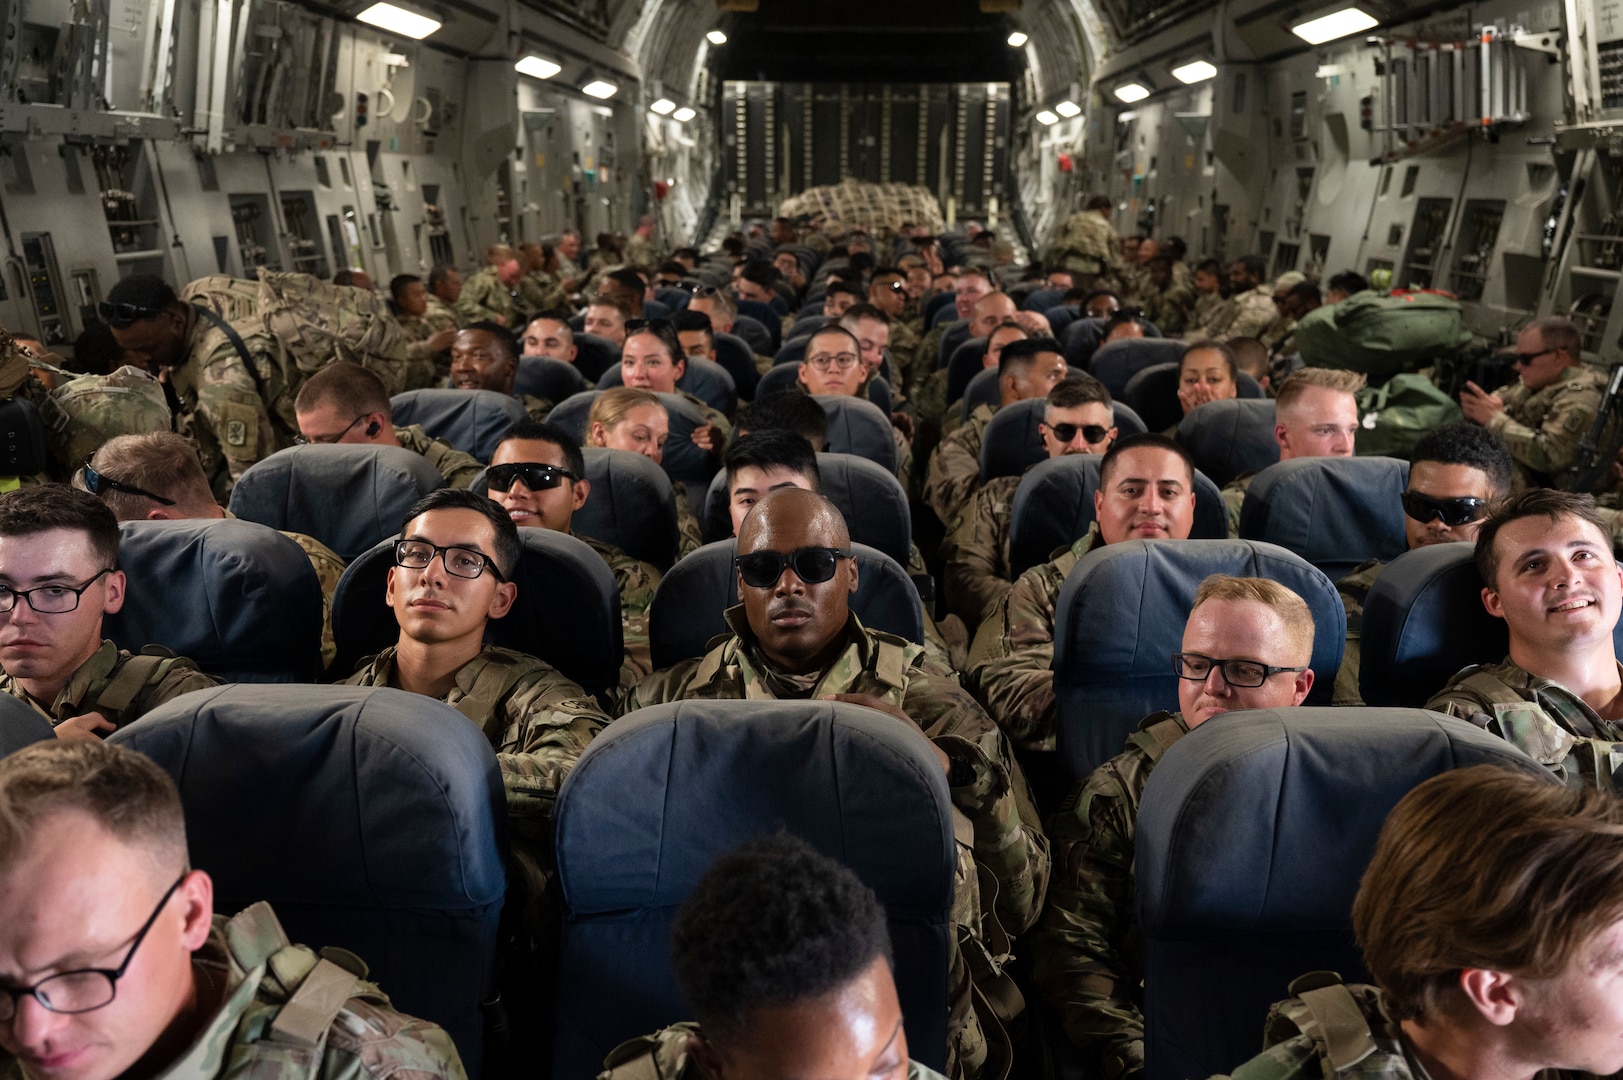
<point>624,289</point>
<point>1251,358</point>
<point>1026,368</point>
<point>58,578</point>
<point>1246,646</point>
<point>345,403</point>
<point>794,636</point>
<point>888,293</point>
<point>763,462</point>
<point>985,315</point>
<point>787,410</point>
<point>1315,415</point>
<point>539,288</point>
<point>1207,372</point>
<point>131,972</point>
<point>605,320</point>
<point>444,290</point>
<point>1101,304</point>
<point>1488,917</point>
<point>786,959</point>
<point>549,335</point>
<point>568,249</point>
<point>1455,474</point>
<point>839,297</point>
<point>871,327</point>
<point>640,249</point>
<point>1088,247</point>
<point>625,418</point>
<point>485,357</point>
<point>756,280</point>
<point>431,330</point>
<point>652,360</point>
<point>1543,416</point>
<point>1254,309</point>
<point>1293,303</point>
<point>157,477</point>
<point>1146,492</point>
<point>791,272</point>
<point>1163,300</point>
<point>976,575</point>
<point>1213,310</point>
<point>1342,285</point>
<point>969,286</point>
<point>491,293</point>
<point>538,475</point>
<point>694,332</point>
<point>354,278</point>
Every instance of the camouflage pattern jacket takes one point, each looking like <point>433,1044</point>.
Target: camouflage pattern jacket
<point>954,471</point>
<point>458,468</point>
<point>289,1014</point>
<point>1012,662</point>
<point>1542,428</point>
<point>1234,498</point>
<point>976,576</point>
<point>1541,718</point>
<point>120,685</point>
<point>1087,953</point>
<point>540,291</point>
<point>485,296</point>
<point>664,1056</point>
<point>329,567</point>
<point>636,581</point>
<point>426,368</point>
<point>1254,313</point>
<point>998,834</point>
<point>1354,590</point>
<point>1211,316</point>
<point>1087,245</point>
<point>1170,308</point>
<point>689,536</point>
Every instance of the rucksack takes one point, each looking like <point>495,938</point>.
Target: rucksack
<point>1336,1018</point>
<point>1394,416</point>
<point>84,411</point>
<point>1383,334</point>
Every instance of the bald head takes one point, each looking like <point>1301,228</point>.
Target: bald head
<point>988,311</point>
<point>792,518</point>
<point>795,580</point>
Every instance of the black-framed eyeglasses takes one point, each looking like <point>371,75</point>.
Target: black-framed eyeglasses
<point>123,316</point>
<point>1452,512</point>
<point>328,440</point>
<point>1522,359</point>
<point>458,561</point>
<point>96,484</point>
<point>1246,674</point>
<point>812,565</point>
<point>658,326</point>
<point>1091,433</point>
<point>838,361</point>
<point>536,476</point>
<point>49,599</point>
<point>83,989</point>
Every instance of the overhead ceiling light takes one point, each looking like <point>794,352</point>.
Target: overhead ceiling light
<point>536,67</point>
<point>1046,117</point>
<point>716,37</point>
<point>1017,39</point>
<point>1337,24</point>
<point>684,114</point>
<point>397,20</point>
<point>600,88</point>
<point>1132,92</point>
<point>1068,109</point>
<point>664,106</point>
<point>1195,71</point>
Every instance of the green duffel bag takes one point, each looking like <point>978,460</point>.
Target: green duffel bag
<point>1382,334</point>
<point>1394,416</point>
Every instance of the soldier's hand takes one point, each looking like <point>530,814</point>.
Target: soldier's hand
<point>704,437</point>
<point>443,340</point>
<point>903,423</point>
<point>872,702</point>
<point>84,726</point>
<point>1478,405</point>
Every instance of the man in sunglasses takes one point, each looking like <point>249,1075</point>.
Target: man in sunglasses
<point>538,476</point>
<point>1543,416</point>
<point>346,404</point>
<point>1077,419</point>
<point>1246,645</point>
<point>113,963</point>
<point>485,357</point>
<point>58,579</point>
<point>794,637</point>
<point>888,293</point>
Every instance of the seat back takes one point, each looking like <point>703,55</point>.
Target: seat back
<point>370,819</point>
<point>473,421</point>
<point>594,355</point>
<point>544,377</point>
<point>1334,512</point>
<point>860,428</point>
<point>1042,299</point>
<point>713,775</point>
<point>692,598</point>
<point>1053,507</point>
<point>672,297</point>
<point>934,306</point>
<point>756,334</point>
<point>1080,339</point>
<point>704,379</point>
<point>21,726</point>
<point>784,377</point>
<point>1120,617</point>
<point>1012,444</point>
<point>1060,317</point>
<point>850,482</point>
<point>1228,438</point>
<point>681,461</point>
<point>348,497</point>
<point>1118,361</point>
<point>808,323</point>
<point>734,355</point>
<point>239,599</point>
<point>1252,836</point>
<point>967,361</point>
<point>567,612</point>
<point>955,335</point>
<point>1153,392</point>
<point>793,351</point>
<point>631,505</point>
<point>983,389</point>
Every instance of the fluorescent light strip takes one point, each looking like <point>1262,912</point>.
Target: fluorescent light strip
<point>1337,24</point>
<point>600,89</point>
<point>536,67</point>
<point>683,115</point>
<point>1046,117</point>
<point>1195,71</point>
<point>398,20</point>
<point>1017,39</point>
<point>1132,92</point>
<point>716,37</point>
<point>664,106</point>
<point>1068,109</point>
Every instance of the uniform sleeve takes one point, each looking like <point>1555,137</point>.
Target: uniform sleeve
<point>1078,948</point>
<point>183,678</point>
<point>952,475</point>
<point>459,468</point>
<point>636,581</point>
<point>228,403</point>
<point>1293,1059</point>
<point>689,537</point>
<point>1233,499</point>
<point>1551,447</point>
<point>976,564</point>
<point>549,723</point>
<point>1015,680</point>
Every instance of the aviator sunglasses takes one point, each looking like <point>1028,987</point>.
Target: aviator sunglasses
<point>1453,512</point>
<point>536,476</point>
<point>812,565</point>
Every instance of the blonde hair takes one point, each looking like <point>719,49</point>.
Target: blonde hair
<point>1300,382</point>
<point>612,406</point>
<point>1291,608</point>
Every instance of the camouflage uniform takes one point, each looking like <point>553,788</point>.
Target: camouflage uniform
<point>1170,308</point>
<point>1254,313</point>
<point>1087,246</point>
<point>535,408</point>
<point>1211,316</point>
<point>976,575</point>
<point>485,296</point>
<point>1299,1033</point>
<point>991,802</point>
<point>1088,956</point>
<point>636,581</point>
<point>955,466</point>
<point>689,536</point>
<point>458,468</point>
<point>1541,718</point>
<point>1542,428</point>
<point>905,337</point>
<point>120,685</point>
<point>1015,674</point>
<point>539,291</point>
<point>1354,590</point>
<point>640,251</point>
<point>329,568</point>
<point>664,1056</point>
<point>926,358</point>
<point>427,368</point>
<point>1234,498</point>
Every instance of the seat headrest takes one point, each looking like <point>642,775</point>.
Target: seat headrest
<point>1228,438</point>
<point>1053,507</point>
<point>1153,394</point>
<point>380,781</point>
<point>755,332</point>
<point>873,502</point>
<point>1334,512</point>
<point>572,414</point>
<point>594,355</point>
<point>1117,361</point>
<point>20,725</point>
<point>348,497</point>
<point>967,361</point>
<point>239,599</point>
<point>631,505</point>
<point>693,597</point>
<point>859,427</point>
<point>473,421</point>
<point>793,352</point>
<point>567,612</point>
<point>734,354</point>
<point>682,460</point>
<point>704,379</point>
<point>544,377</point>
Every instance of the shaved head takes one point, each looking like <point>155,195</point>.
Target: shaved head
<point>792,514</point>
<point>799,624</point>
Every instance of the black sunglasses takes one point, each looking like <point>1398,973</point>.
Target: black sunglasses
<point>1453,512</point>
<point>97,484</point>
<point>812,565</point>
<point>1091,433</point>
<point>122,316</point>
<point>536,477</point>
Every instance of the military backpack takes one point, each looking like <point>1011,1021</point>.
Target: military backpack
<point>84,411</point>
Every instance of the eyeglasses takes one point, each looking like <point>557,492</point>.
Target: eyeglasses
<point>896,287</point>
<point>536,476</point>
<point>96,483</point>
<point>1247,674</point>
<point>812,565</point>
<point>839,361</point>
<point>1091,433</point>
<point>328,440</point>
<point>1452,512</point>
<point>458,561</point>
<point>1522,359</point>
<point>122,316</point>
<point>48,599</point>
<point>83,989</point>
